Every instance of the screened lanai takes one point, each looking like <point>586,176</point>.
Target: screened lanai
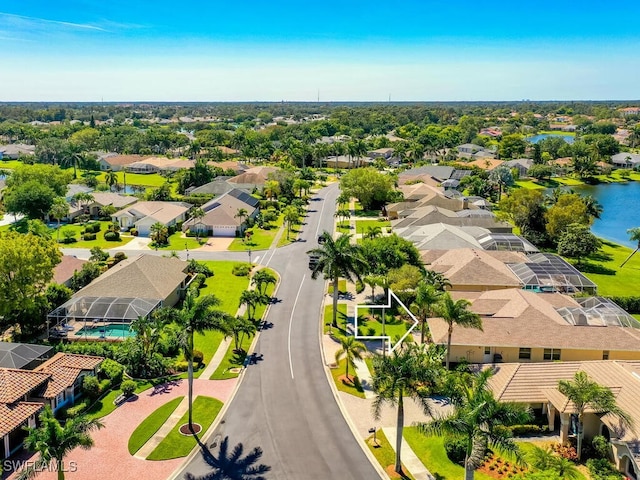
<point>99,317</point>
<point>506,241</point>
<point>597,312</point>
<point>548,272</point>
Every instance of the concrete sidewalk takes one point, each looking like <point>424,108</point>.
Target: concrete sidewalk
<point>408,457</point>
<point>164,430</point>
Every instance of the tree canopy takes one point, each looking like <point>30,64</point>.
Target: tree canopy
<point>372,188</point>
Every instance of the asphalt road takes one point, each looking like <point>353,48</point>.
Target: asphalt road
<point>284,404</point>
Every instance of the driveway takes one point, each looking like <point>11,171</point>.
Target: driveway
<point>138,243</point>
<point>109,459</point>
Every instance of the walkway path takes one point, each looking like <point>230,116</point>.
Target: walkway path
<point>164,430</point>
<point>109,459</point>
<point>408,457</point>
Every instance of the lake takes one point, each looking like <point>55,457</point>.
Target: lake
<point>542,136</point>
<point>621,209</point>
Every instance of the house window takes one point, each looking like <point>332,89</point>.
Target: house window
<point>551,354</point>
<point>524,354</point>
<point>487,350</point>
<point>605,354</point>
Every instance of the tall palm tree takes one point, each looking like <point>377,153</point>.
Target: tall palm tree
<point>477,417</point>
<point>198,214</point>
<point>437,279</point>
<point>159,233</point>
<point>83,199</point>
<point>59,210</point>
<point>53,441</point>
<point>408,372</point>
<point>262,279</point>
<point>195,316</point>
<point>241,214</point>
<point>634,236</point>
<point>427,297</point>
<point>336,259</point>
<point>372,281</point>
<point>252,299</point>
<point>351,350</point>
<point>457,313</point>
<point>238,327</point>
<point>291,217</point>
<point>232,466</point>
<point>587,394</point>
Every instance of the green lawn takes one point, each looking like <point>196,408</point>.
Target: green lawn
<point>343,227</point>
<point>176,445</point>
<point>341,317</point>
<point>362,226</point>
<point>384,452</point>
<point>10,164</point>
<point>143,180</point>
<point>351,386</point>
<point>236,360</point>
<point>604,269</point>
<point>430,450</point>
<point>260,240</point>
<point>372,327</point>
<point>105,405</point>
<point>98,242</point>
<point>342,286</point>
<point>178,241</point>
<point>227,288</point>
<point>150,425</point>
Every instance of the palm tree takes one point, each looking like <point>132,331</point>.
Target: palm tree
<point>479,419</point>
<point>634,236</point>
<point>427,297</point>
<point>238,327</point>
<point>291,217</point>
<point>373,232</point>
<point>195,316</point>
<point>373,281</point>
<point>589,395</point>
<point>149,330</point>
<point>437,279</point>
<point>159,233</point>
<point>351,350</point>
<point>546,459</point>
<point>271,189</point>
<point>198,214</point>
<point>336,259</point>
<point>83,199</point>
<point>262,279</point>
<point>457,313</point>
<point>409,372</point>
<point>59,210</point>
<point>233,466</point>
<point>241,214</point>
<point>343,213</point>
<point>252,298</point>
<point>53,441</point>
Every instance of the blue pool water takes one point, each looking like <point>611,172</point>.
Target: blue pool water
<point>110,330</point>
<point>564,136</point>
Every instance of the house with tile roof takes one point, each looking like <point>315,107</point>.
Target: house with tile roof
<point>63,271</point>
<point>536,385</point>
<point>142,215</point>
<point>103,199</point>
<point>13,151</point>
<point>24,393</point>
<point>523,326</point>
<point>429,215</point>
<point>220,219</point>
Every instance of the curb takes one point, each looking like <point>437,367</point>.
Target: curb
<point>204,439</point>
<point>345,414</point>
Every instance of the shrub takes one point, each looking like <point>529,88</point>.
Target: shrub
<point>630,304</point>
<point>105,385</point>
<point>602,469</point>
<point>128,387</point>
<point>566,451</point>
<point>241,269</point>
<point>92,227</point>
<point>134,232</point>
<point>456,449</point>
<point>91,387</point>
<point>523,430</point>
<point>181,366</point>
<point>77,409</point>
<point>111,236</point>
<point>197,267</point>
<point>198,357</point>
<point>89,236</point>
<point>600,446</point>
<point>112,370</point>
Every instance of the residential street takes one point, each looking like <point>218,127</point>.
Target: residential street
<point>285,404</point>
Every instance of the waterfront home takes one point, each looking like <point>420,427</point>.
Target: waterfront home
<point>625,160</point>
<point>13,151</point>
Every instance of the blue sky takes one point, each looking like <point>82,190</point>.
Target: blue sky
<point>206,50</point>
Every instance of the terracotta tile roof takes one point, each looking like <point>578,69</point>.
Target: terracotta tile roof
<point>15,384</point>
<point>66,268</point>
<point>510,316</point>
<point>13,416</point>
<point>486,163</point>
<point>64,368</point>
<point>255,176</point>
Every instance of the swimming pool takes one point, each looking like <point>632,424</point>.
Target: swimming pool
<point>110,330</point>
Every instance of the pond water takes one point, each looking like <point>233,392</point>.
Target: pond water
<point>542,136</point>
<point>621,209</point>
